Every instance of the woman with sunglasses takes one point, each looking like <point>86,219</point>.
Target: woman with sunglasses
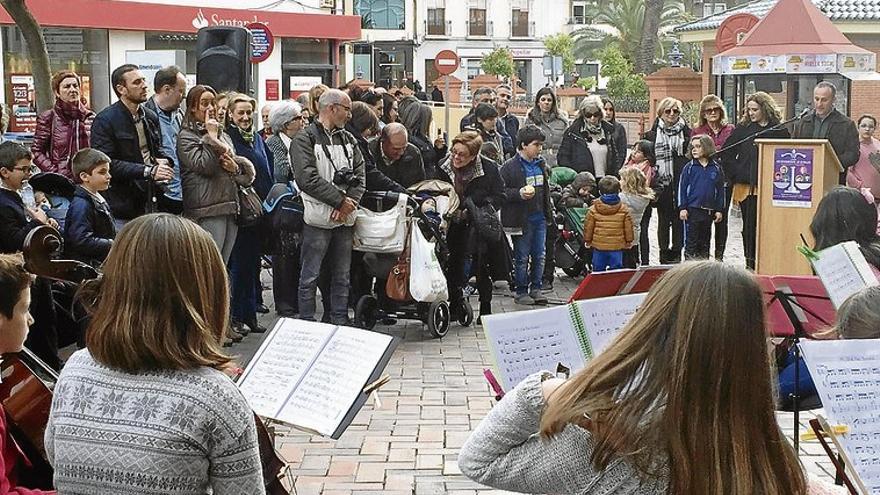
<point>670,136</point>
<point>588,143</point>
<point>712,121</point>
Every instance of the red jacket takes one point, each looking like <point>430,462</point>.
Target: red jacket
<point>60,133</point>
<point>10,459</point>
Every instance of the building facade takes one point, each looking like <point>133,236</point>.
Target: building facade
<point>92,37</point>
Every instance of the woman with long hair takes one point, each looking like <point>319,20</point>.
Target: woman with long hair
<point>670,136</point>
<point>712,121</point>
<point>390,109</point>
<point>740,163</point>
<point>148,407</point>
<point>620,140</point>
<point>680,403</point>
<point>844,214</point>
<point>64,129</point>
<point>550,119</point>
<point>417,117</point>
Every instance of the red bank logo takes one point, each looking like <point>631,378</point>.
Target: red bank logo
<point>200,21</point>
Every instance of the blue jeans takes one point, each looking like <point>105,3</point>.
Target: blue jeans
<point>607,260</point>
<point>244,269</point>
<point>317,243</point>
<point>530,245</point>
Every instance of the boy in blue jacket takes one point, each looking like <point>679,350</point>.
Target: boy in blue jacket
<point>88,227</point>
<point>700,197</point>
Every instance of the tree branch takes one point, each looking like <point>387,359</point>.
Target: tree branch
<point>36,45</point>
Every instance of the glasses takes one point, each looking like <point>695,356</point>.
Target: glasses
<point>593,114</point>
<point>867,126</point>
<point>347,108</point>
<point>713,110</point>
<point>459,153</point>
<point>24,170</point>
<point>672,111</point>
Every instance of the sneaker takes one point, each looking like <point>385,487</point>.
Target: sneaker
<point>468,290</point>
<point>537,297</point>
<point>524,299</point>
<point>262,309</point>
<point>547,286</point>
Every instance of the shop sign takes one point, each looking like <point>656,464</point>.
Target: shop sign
<point>857,63</point>
<point>793,178</point>
<point>200,21</point>
<point>149,62</point>
<point>302,84</point>
<point>750,64</point>
<point>811,64</point>
<point>23,117</point>
<point>273,92</point>
<point>262,42</point>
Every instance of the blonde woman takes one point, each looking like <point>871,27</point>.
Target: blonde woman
<point>740,163</point>
<point>147,407</point>
<point>670,136</point>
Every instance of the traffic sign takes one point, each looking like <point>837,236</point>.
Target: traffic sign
<point>262,42</point>
<point>446,62</point>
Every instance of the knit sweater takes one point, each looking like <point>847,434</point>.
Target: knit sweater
<point>181,432</point>
<point>505,452</point>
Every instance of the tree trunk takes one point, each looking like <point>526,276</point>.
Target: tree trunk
<point>644,62</point>
<point>36,45</point>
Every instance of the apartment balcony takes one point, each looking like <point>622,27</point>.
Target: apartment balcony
<point>438,30</point>
<point>522,30</point>
<point>480,30</point>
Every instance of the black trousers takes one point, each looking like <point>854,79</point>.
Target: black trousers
<point>459,251</point>
<point>550,251</point>
<point>285,282</point>
<point>669,228</point>
<point>749,208</point>
<point>698,234</point>
<point>42,339</point>
<point>644,249</point>
<point>631,257</point>
<point>721,227</point>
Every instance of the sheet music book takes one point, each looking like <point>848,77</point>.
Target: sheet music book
<point>843,270</point>
<point>312,375</point>
<point>847,377</point>
<point>525,342</point>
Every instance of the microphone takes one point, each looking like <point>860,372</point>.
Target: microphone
<point>805,112</point>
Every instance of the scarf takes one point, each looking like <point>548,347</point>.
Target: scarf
<point>71,110</point>
<point>246,136</point>
<point>596,130</point>
<point>668,145</point>
<point>610,199</point>
<point>463,177</point>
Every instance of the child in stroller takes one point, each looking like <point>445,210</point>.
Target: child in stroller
<point>571,255</point>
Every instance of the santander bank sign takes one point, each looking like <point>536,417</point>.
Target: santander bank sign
<point>200,21</point>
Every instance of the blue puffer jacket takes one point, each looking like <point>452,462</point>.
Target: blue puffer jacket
<point>88,228</point>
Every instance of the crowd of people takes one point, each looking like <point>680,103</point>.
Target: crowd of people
<point>164,205</point>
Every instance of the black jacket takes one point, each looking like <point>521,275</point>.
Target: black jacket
<point>376,180</point>
<point>487,186</point>
<point>842,133</point>
<point>574,152</point>
<point>431,156</point>
<point>114,133</point>
<point>740,163</point>
<point>620,144</point>
<point>88,228</point>
<point>513,214</point>
<point>406,171</point>
<point>506,140</point>
<point>14,223</point>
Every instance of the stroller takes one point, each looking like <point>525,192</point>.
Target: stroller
<point>571,255</point>
<point>374,307</point>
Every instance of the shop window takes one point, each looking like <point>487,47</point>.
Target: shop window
<point>437,18</point>
<point>174,41</point>
<point>477,18</point>
<point>305,51</point>
<point>381,14</point>
<point>519,19</point>
<point>474,68</point>
<point>85,51</point>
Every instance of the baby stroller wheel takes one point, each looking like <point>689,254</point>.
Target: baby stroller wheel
<point>438,318</point>
<point>466,317</point>
<point>366,312</point>
<point>574,271</point>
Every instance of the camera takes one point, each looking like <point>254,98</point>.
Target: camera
<point>346,177</point>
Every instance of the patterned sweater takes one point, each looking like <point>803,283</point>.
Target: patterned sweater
<point>167,432</point>
<point>505,452</point>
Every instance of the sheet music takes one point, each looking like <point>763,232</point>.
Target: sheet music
<point>280,363</point>
<point>844,271</point>
<point>605,317</point>
<point>847,377</point>
<point>333,383</point>
<point>526,342</point>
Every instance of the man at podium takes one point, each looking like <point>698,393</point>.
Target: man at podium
<point>826,122</point>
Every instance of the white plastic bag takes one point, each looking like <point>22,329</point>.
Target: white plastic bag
<point>426,280</point>
<point>383,232</point>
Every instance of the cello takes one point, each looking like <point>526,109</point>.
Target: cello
<point>25,390</point>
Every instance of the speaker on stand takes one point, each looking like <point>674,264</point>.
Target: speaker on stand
<point>223,58</point>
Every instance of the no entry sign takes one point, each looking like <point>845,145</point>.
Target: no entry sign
<point>446,62</point>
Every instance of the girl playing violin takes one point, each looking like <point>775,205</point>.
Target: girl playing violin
<point>147,407</point>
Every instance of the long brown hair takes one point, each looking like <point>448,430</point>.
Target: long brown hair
<point>689,380</point>
<point>192,101</point>
<point>163,301</point>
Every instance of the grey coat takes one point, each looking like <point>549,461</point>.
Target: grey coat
<point>553,129</point>
<point>208,190</point>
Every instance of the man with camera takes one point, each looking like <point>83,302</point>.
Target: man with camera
<point>329,169</point>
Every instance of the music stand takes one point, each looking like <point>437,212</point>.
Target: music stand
<point>840,460</point>
<point>618,282</point>
<point>803,318</point>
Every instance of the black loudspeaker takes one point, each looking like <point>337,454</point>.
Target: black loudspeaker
<point>223,58</point>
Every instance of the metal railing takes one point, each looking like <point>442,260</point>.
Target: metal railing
<point>519,31</point>
<point>438,30</point>
<point>480,30</point>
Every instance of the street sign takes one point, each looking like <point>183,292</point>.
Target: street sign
<point>446,62</point>
<point>262,42</point>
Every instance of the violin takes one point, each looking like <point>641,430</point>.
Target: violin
<point>27,395</point>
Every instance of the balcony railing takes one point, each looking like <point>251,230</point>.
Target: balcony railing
<point>522,30</point>
<point>436,30</point>
<point>578,20</point>
<point>480,30</point>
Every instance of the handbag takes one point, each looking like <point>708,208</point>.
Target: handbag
<point>397,284</point>
<point>381,232</point>
<point>250,208</point>
<point>485,221</point>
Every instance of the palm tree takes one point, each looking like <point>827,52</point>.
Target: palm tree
<point>621,23</point>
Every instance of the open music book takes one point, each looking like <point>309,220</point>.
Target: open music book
<point>843,270</point>
<point>525,342</point>
<point>847,377</point>
<point>312,375</point>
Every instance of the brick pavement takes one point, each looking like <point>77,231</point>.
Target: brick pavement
<point>437,395</point>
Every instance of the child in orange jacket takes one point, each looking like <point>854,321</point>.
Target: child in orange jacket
<point>608,227</point>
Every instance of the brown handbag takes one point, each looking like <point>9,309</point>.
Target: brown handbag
<point>397,285</point>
